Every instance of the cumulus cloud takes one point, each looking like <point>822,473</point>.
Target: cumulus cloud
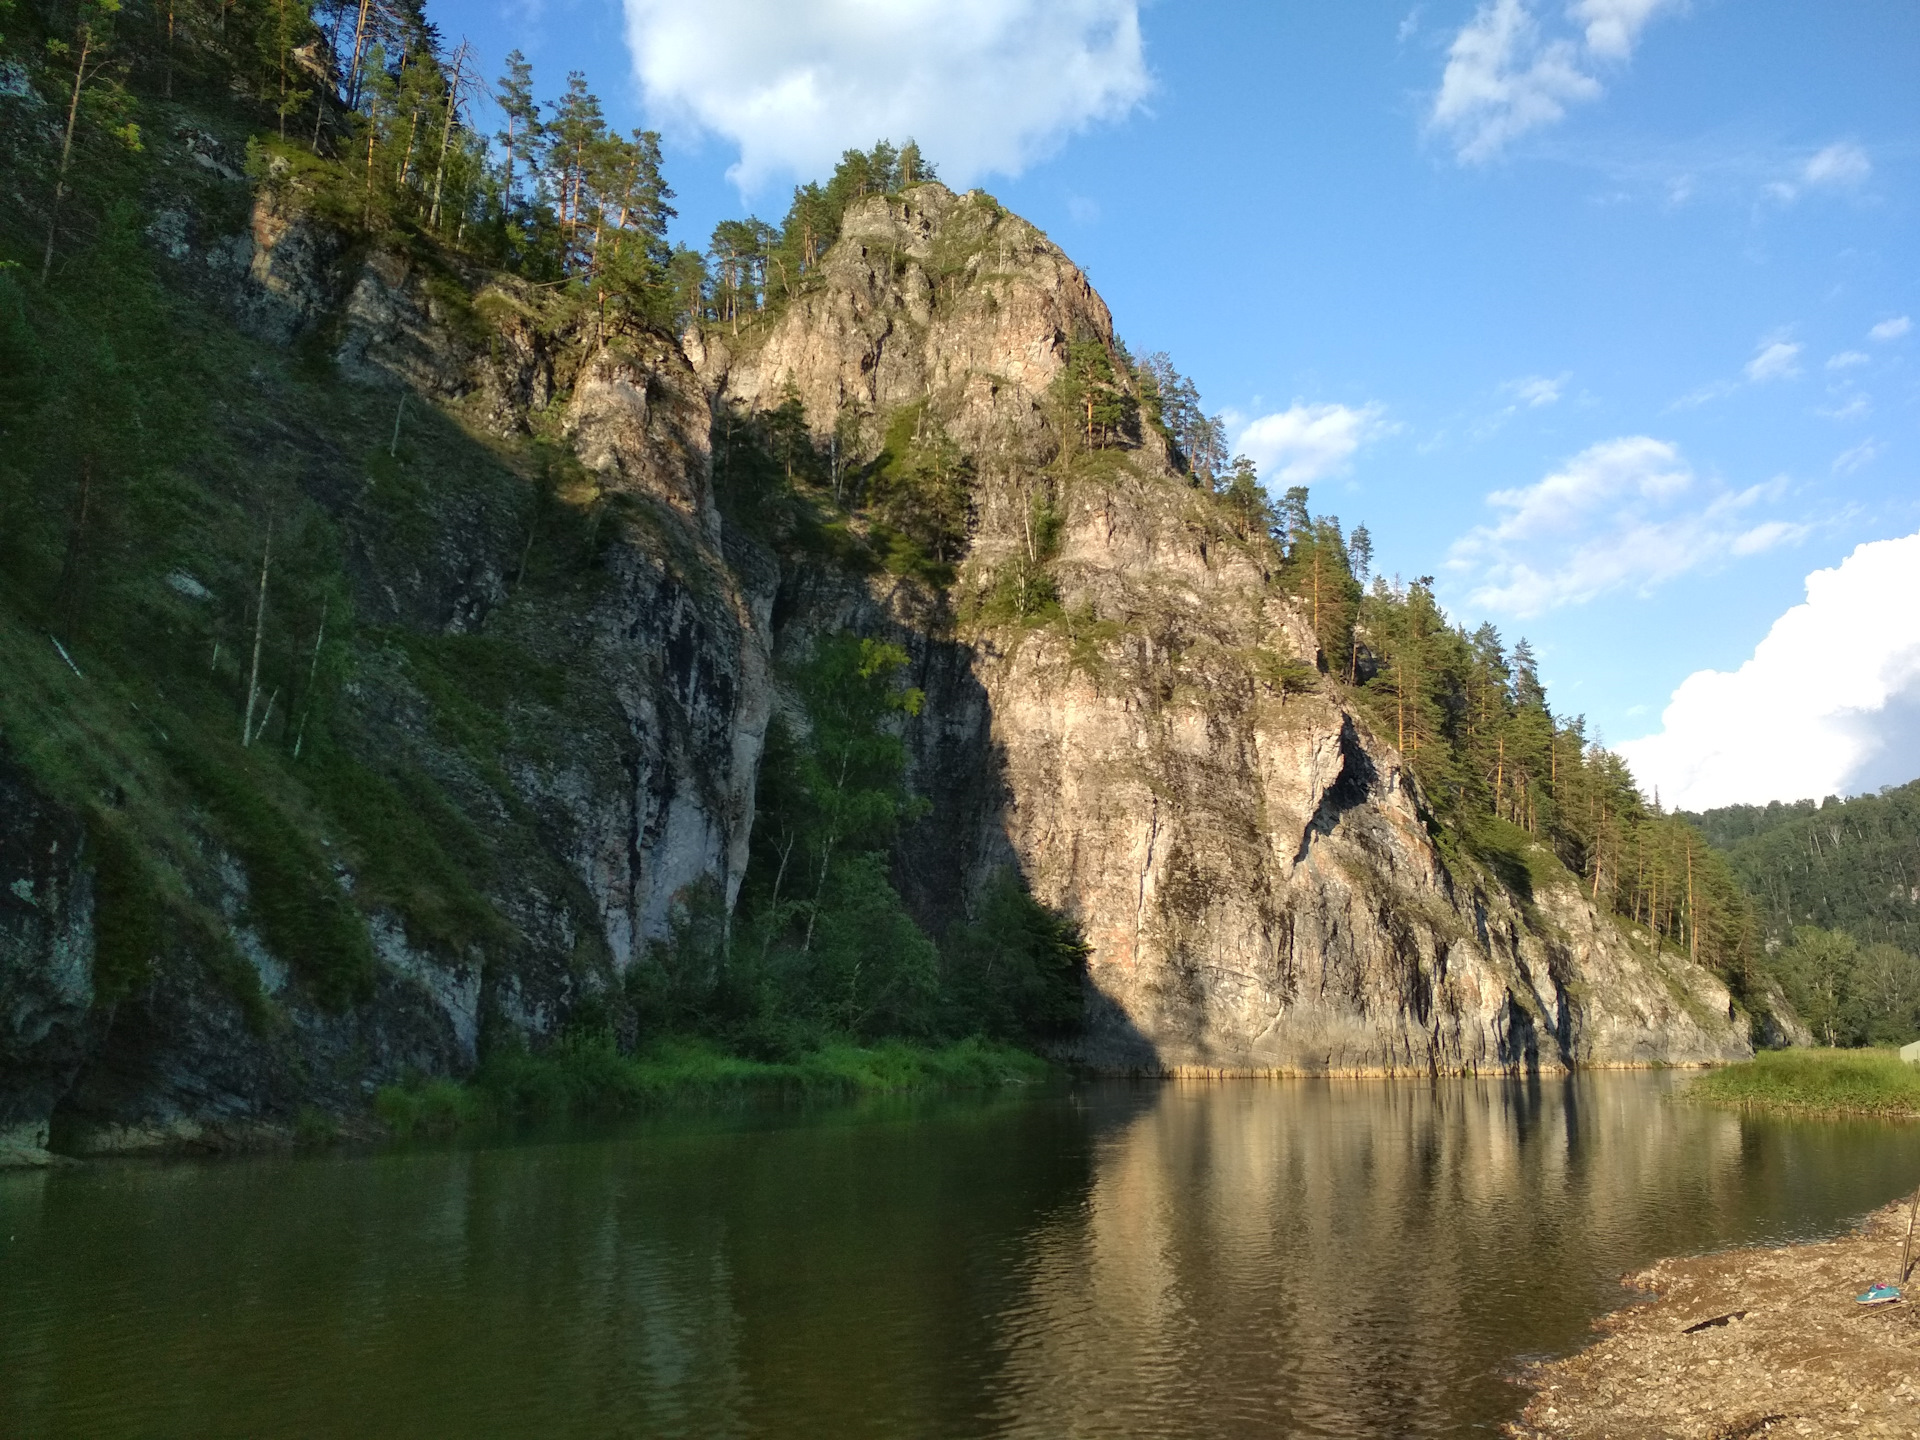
<point>1507,75</point>
<point>1828,705</point>
<point>1304,443</point>
<point>1624,514</point>
<point>983,85</point>
<point>1775,360</point>
<point>1891,329</point>
<point>1847,359</point>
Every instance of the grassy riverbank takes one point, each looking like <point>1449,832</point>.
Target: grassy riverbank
<point>593,1077</point>
<point>1816,1082</point>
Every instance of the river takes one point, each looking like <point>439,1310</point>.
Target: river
<point>1340,1258</point>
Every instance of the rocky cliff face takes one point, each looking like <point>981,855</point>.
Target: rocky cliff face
<point>1252,867</point>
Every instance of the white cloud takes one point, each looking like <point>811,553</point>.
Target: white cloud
<point>1891,329</point>
<point>1304,443</point>
<point>1839,164</point>
<point>1502,80</point>
<point>982,85</point>
<point>1766,536</point>
<point>1847,359</point>
<point>1537,390</point>
<point>1854,408</point>
<point>1505,76</point>
<point>1775,360</point>
<point>1713,390</point>
<point>1612,26</point>
<point>1624,514</point>
<point>1828,704</point>
<point>1848,461</point>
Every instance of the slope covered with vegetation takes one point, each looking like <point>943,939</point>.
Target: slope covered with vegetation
<point>1835,887</point>
<point>221,562</point>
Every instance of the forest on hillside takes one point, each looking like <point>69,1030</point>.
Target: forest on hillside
<point>1836,888</point>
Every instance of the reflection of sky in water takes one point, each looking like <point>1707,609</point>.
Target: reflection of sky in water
<point>1341,1258</point>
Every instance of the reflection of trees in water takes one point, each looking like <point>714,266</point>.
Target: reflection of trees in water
<point>1348,1254</point>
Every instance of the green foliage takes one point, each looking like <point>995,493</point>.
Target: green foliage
<point>127,911</point>
<point>1171,404</point>
<point>1105,410</point>
<point>292,896</point>
<point>587,1074</point>
<point>1246,500</point>
<point>1016,969</point>
<point>428,1107</point>
<point>1841,864</point>
<point>1022,587</point>
<point>1316,567</point>
<point>919,490</point>
<point>1849,994</point>
<point>821,946</point>
<point>1473,723</point>
<point>1819,1082</point>
<point>395,827</point>
<point>870,969</point>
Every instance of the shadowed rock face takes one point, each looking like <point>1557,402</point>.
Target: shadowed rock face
<point>46,960</point>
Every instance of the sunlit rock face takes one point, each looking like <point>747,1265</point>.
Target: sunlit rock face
<point>1252,868</point>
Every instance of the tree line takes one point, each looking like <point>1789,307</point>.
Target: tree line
<point>368,116</point>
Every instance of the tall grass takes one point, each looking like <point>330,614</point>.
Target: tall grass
<point>591,1077</point>
<point>1817,1082</point>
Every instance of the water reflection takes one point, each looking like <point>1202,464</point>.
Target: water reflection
<point>1356,1258</point>
<point>1336,1258</point>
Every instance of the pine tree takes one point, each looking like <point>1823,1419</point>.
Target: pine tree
<point>521,139</point>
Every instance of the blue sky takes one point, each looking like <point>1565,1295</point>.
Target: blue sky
<point>1602,312</point>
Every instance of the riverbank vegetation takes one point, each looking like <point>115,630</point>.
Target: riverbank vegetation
<point>590,1076</point>
<point>1816,1082</point>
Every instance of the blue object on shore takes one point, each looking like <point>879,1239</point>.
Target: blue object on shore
<point>1879,1295</point>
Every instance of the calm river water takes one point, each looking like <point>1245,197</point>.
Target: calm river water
<point>1240,1259</point>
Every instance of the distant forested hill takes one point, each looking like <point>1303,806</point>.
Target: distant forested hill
<point>1849,865</point>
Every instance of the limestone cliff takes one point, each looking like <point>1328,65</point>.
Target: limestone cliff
<point>1252,866</point>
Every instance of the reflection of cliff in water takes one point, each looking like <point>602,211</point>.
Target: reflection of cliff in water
<point>1359,1258</point>
<point>1355,1258</point>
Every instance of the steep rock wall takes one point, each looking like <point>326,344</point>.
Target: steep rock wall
<point>622,776</point>
<point>1253,869</point>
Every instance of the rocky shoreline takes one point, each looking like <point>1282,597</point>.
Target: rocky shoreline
<point>1746,1343</point>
